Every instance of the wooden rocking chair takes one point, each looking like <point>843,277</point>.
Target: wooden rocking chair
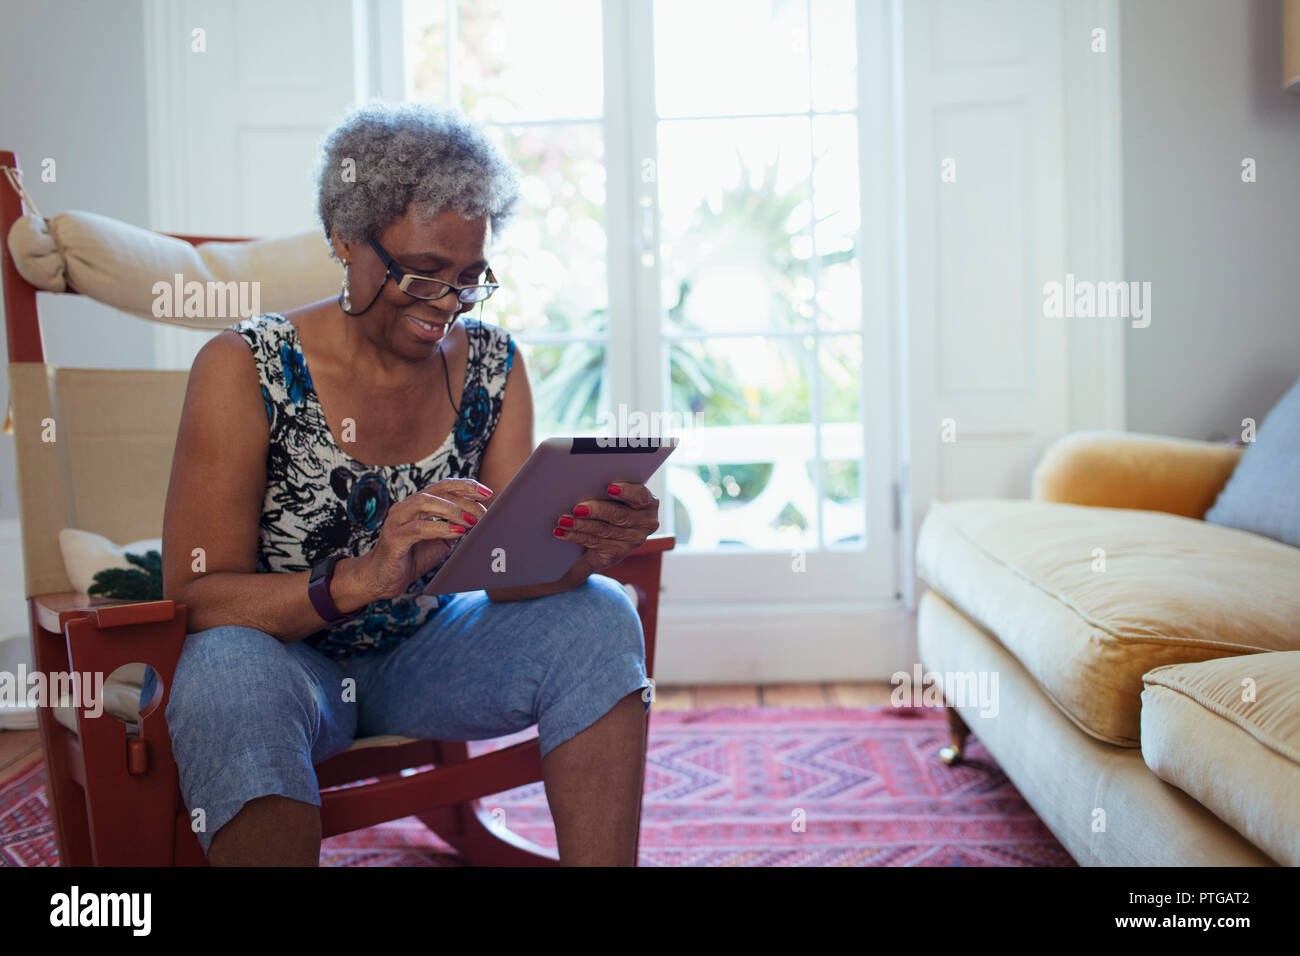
<point>113,784</point>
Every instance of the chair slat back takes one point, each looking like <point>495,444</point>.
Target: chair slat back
<point>94,446</point>
<point>94,449</point>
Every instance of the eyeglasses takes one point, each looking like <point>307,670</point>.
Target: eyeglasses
<point>427,287</point>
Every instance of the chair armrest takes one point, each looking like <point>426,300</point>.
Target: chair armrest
<point>641,569</point>
<point>1126,470</point>
<point>56,609</point>
<point>74,632</point>
<point>654,545</point>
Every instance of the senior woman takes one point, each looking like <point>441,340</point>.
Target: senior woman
<point>324,467</point>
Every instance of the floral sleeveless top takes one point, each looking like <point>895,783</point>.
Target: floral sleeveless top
<point>320,501</point>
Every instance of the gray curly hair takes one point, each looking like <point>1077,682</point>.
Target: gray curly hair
<point>409,156</point>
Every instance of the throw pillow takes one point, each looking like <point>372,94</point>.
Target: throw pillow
<point>1263,494</point>
<point>97,566</point>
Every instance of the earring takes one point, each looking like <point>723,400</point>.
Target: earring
<point>347,291</point>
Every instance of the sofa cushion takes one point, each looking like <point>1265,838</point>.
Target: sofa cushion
<point>1227,733</point>
<point>1067,776</point>
<point>1090,599</point>
<point>1263,494</point>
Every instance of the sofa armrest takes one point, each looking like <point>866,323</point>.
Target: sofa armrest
<point>1125,470</point>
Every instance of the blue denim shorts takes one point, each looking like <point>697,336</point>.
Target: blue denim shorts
<point>250,715</point>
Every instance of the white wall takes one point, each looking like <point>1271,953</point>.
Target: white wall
<point>73,76</point>
<point>1201,91</point>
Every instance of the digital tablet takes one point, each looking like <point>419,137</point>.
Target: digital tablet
<point>514,542</point>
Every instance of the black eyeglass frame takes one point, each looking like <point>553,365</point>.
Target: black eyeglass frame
<point>404,279</point>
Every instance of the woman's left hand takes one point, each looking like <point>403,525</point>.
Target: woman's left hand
<point>609,527</point>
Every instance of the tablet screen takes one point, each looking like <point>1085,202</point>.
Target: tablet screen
<point>514,544</point>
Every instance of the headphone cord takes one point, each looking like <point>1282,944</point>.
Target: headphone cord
<point>372,301</point>
<point>446,375</point>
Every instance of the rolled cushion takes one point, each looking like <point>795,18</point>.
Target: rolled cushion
<point>1263,494</point>
<point>1129,470</point>
<point>120,265</point>
<point>1227,733</point>
<point>36,255</point>
<point>1173,590</point>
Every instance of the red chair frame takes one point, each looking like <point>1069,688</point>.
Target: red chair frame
<point>115,796</point>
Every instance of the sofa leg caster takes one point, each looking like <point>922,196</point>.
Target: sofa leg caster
<point>957,734</point>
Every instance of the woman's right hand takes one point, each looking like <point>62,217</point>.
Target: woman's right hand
<point>413,541</point>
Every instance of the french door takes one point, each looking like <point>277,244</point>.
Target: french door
<point>691,259</point>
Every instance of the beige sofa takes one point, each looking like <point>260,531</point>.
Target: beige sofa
<point>1147,664</point>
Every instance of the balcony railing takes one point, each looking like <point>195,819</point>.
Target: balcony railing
<point>717,521</point>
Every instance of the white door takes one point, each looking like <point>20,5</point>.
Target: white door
<point>985,199</point>
<point>240,94</point>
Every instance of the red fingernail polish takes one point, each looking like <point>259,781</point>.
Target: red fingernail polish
<point>614,490</point>
<point>559,532</point>
<point>469,517</point>
<point>458,529</point>
<point>566,521</point>
<point>582,511</point>
<point>485,491</point>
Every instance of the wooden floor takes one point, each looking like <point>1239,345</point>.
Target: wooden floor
<point>18,748</point>
<point>772,695</point>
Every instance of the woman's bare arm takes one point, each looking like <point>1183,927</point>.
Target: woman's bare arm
<point>214,505</point>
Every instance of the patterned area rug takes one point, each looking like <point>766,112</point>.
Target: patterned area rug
<point>752,786</point>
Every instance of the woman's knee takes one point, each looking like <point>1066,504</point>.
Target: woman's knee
<point>224,671</point>
<point>598,660</point>
<point>605,617</point>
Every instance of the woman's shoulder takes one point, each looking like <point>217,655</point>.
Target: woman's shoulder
<point>224,361</point>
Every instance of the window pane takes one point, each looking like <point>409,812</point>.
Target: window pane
<point>834,55</point>
<point>747,505</point>
<point>842,507</point>
<point>515,59</point>
<point>835,184</point>
<point>424,31</point>
<point>839,296</point>
<point>841,368</point>
<point>568,387</point>
<point>742,381</point>
<point>746,478</point>
<point>551,257</point>
<point>836,232</point>
<point>726,57</point>
<point>735,209</point>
